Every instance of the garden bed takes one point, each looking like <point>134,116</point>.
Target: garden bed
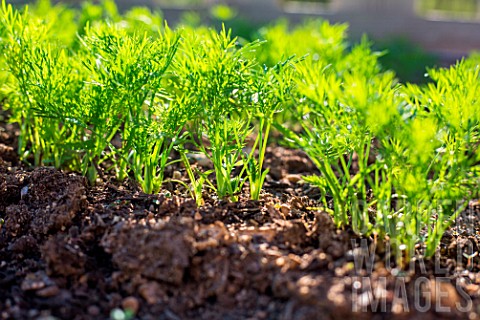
<point>149,172</point>
<point>72,251</point>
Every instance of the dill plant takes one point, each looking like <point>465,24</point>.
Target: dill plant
<point>38,66</point>
<point>233,100</point>
<point>337,110</point>
<point>442,160</point>
<point>137,20</point>
<point>126,99</point>
<point>59,17</point>
<point>318,39</point>
<point>272,88</point>
<point>112,91</point>
<point>212,75</point>
<point>399,161</point>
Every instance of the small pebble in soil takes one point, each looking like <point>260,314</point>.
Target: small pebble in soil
<point>176,175</point>
<point>285,209</point>
<point>48,292</point>
<point>293,178</point>
<point>131,303</point>
<point>23,192</point>
<point>93,310</point>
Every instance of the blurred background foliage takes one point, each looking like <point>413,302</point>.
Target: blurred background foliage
<point>407,59</point>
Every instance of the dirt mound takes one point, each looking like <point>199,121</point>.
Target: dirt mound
<point>109,247</point>
<point>40,203</point>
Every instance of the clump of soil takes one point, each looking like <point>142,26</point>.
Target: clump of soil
<point>73,251</point>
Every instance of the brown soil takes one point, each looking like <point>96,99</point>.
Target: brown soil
<point>71,251</point>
